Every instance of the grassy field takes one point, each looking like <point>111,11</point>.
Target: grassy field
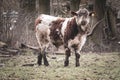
<point>102,66</point>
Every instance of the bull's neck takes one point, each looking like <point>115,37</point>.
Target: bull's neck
<point>72,30</point>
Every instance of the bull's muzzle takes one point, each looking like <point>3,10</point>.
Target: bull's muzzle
<point>83,23</point>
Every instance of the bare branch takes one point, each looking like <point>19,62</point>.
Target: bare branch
<point>95,26</point>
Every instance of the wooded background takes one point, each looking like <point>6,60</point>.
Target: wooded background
<point>17,21</point>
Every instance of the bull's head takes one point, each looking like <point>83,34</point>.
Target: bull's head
<point>82,17</point>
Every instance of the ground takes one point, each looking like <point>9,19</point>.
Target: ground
<point>94,66</point>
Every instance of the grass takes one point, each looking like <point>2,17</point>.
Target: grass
<point>104,66</point>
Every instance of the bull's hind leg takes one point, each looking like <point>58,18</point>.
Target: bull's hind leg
<point>39,59</point>
<point>45,58</point>
<point>77,55</point>
<point>67,55</point>
<point>40,49</point>
<point>42,55</point>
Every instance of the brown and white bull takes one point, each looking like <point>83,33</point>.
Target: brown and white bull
<point>70,32</point>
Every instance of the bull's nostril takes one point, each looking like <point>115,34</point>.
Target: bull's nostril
<point>83,23</point>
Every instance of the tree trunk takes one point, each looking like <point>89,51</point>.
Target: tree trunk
<point>95,41</point>
<point>37,6</point>
<point>44,6</point>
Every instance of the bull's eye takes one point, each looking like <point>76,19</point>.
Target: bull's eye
<point>83,23</point>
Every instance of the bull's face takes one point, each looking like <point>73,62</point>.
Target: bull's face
<point>82,17</point>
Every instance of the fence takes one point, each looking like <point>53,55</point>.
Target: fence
<point>9,20</point>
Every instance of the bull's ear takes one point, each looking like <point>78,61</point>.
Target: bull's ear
<point>74,13</point>
<point>92,13</point>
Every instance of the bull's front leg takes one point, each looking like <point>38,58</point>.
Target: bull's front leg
<point>78,48</point>
<point>67,55</point>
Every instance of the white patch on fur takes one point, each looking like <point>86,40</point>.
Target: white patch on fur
<point>78,40</point>
<point>85,26</point>
<point>42,30</point>
<point>47,19</point>
<point>78,20</point>
<point>74,41</point>
<point>82,41</point>
<point>64,25</point>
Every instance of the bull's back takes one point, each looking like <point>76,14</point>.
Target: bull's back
<point>46,19</point>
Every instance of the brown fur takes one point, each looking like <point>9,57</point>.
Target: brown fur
<point>72,30</point>
<point>55,32</point>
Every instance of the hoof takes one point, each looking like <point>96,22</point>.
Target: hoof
<point>46,64</point>
<point>77,64</point>
<point>66,63</point>
<point>39,64</point>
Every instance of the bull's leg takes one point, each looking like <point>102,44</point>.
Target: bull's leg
<point>45,58</point>
<point>67,55</point>
<point>39,59</point>
<point>77,55</point>
<point>40,54</point>
<point>78,49</point>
